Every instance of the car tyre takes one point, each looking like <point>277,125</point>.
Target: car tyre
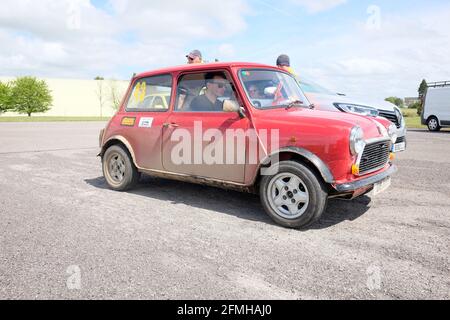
<point>118,169</point>
<point>433,124</point>
<point>295,197</point>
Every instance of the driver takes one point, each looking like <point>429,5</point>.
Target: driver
<point>215,87</point>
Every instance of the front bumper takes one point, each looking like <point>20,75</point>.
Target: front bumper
<point>401,137</point>
<point>365,183</point>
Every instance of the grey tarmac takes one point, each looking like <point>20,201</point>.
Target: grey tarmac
<point>65,235</point>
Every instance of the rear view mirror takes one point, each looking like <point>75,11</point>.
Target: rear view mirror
<point>270,91</point>
<point>182,90</point>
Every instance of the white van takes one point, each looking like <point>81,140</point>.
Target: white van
<point>436,109</point>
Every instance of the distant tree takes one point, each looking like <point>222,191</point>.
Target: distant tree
<point>422,91</point>
<point>415,105</point>
<point>395,100</point>
<point>419,108</point>
<point>115,96</point>
<point>30,95</point>
<point>5,93</point>
<point>422,88</point>
<point>101,95</point>
<point>99,78</point>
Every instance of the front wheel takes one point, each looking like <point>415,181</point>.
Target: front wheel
<point>433,124</point>
<point>118,168</point>
<point>294,197</point>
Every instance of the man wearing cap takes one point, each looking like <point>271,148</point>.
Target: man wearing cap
<point>284,62</point>
<point>195,56</point>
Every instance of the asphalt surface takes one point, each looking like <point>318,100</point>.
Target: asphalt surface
<point>65,235</point>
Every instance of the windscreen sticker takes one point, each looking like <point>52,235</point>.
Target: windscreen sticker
<point>140,91</point>
<point>146,123</point>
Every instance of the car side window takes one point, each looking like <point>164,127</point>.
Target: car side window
<point>151,94</point>
<point>204,92</point>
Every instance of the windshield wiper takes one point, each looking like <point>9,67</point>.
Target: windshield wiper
<point>298,103</point>
<point>294,103</point>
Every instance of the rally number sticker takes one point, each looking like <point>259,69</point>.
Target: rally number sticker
<point>145,123</point>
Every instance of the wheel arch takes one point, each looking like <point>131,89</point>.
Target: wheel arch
<point>433,116</point>
<point>304,156</point>
<point>118,140</point>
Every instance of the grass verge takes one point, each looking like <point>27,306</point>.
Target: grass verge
<point>411,121</point>
<point>51,119</point>
<point>414,123</point>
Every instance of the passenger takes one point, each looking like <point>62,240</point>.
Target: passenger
<point>284,62</point>
<point>254,92</point>
<point>215,87</point>
<point>195,56</point>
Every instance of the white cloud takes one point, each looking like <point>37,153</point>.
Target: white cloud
<point>226,51</point>
<point>136,35</point>
<point>389,61</point>
<point>315,6</point>
<point>72,38</point>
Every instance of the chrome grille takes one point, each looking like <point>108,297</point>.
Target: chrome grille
<point>374,157</point>
<point>391,116</point>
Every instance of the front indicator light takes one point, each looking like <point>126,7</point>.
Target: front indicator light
<point>355,169</point>
<point>392,156</point>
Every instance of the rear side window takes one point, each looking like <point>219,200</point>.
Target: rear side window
<point>151,94</point>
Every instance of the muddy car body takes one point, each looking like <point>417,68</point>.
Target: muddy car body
<point>275,144</point>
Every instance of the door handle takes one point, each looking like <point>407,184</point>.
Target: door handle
<point>172,125</point>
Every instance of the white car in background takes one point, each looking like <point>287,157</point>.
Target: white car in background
<point>324,99</point>
<point>436,109</point>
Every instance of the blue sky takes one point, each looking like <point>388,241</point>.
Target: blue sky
<point>363,48</point>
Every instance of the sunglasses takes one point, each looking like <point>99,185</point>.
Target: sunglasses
<point>220,85</point>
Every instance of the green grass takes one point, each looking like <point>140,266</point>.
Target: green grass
<point>412,119</point>
<point>414,123</point>
<point>51,119</point>
<point>409,113</point>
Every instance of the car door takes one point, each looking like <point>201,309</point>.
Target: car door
<point>147,111</point>
<point>195,142</point>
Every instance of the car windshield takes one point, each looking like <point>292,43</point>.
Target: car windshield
<point>270,89</point>
<point>309,86</point>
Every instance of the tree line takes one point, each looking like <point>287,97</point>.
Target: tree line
<point>25,95</point>
<point>28,95</point>
<point>417,105</point>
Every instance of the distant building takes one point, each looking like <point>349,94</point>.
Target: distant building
<point>411,100</point>
<point>79,98</point>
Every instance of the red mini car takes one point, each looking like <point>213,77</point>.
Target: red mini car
<point>247,127</point>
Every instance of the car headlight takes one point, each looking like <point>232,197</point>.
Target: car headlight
<point>392,131</point>
<point>399,115</point>
<point>357,143</point>
<point>357,109</point>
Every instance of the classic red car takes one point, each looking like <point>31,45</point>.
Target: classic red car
<point>247,127</point>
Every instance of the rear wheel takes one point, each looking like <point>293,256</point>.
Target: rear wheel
<point>294,197</point>
<point>118,168</point>
<point>433,124</point>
